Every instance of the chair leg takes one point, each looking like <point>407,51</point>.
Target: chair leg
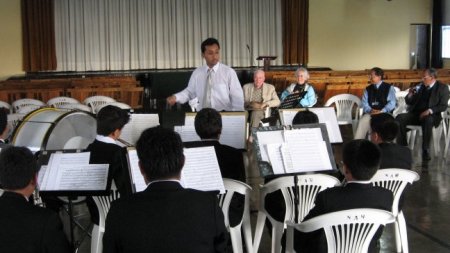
<point>277,234</point>
<point>412,139</point>
<point>236,239</point>
<point>96,240</point>
<point>398,240</point>
<point>247,230</point>
<point>403,232</point>
<point>290,239</point>
<point>259,230</point>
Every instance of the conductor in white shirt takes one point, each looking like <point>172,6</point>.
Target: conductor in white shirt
<point>215,84</point>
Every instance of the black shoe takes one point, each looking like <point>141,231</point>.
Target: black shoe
<point>426,155</point>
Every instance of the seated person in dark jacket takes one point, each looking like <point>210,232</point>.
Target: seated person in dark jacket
<point>384,129</point>
<point>105,150</point>
<point>165,217</point>
<point>361,162</point>
<point>25,227</point>
<point>208,125</point>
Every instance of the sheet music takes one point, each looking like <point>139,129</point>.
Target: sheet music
<point>189,120</point>
<point>187,133</point>
<point>328,116</point>
<point>268,137</point>
<point>137,124</point>
<point>308,157</point>
<point>63,158</point>
<point>233,131</point>
<point>41,174</point>
<point>136,177</point>
<point>275,157</point>
<point>77,177</point>
<point>201,170</point>
<point>303,135</point>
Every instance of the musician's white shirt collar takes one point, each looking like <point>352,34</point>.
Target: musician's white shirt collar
<point>165,180</point>
<point>105,139</point>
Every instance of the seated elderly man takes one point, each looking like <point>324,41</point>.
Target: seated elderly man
<point>25,227</point>
<point>165,217</point>
<point>258,96</point>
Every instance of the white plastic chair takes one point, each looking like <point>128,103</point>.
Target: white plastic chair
<point>103,204</point>
<point>24,102</point>
<point>446,126</point>
<point>27,109</point>
<point>396,180</point>
<point>435,138</point>
<point>308,187</point>
<point>346,231</point>
<point>345,111</point>
<point>79,107</point>
<point>232,187</point>
<point>401,104</point>
<point>58,101</point>
<point>5,105</point>
<point>116,104</point>
<point>96,101</point>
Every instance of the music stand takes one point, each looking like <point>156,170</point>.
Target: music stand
<point>266,61</point>
<point>43,159</point>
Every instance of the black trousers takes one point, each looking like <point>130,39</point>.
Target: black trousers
<point>412,118</point>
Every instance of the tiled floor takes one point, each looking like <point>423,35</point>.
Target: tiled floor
<point>426,208</point>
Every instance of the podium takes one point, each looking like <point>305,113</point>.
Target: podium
<point>266,61</point>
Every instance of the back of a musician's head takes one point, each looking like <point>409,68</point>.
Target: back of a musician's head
<point>110,118</point>
<point>385,126</point>
<point>362,158</point>
<point>18,167</point>
<point>305,117</point>
<point>160,153</point>
<point>208,123</point>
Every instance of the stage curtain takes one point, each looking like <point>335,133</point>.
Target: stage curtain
<point>295,31</point>
<point>163,34</point>
<point>38,35</point>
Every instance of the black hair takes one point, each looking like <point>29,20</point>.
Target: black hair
<point>110,118</point>
<point>305,117</point>
<point>3,119</point>
<point>209,42</point>
<point>208,123</point>
<point>432,72</point>
<point>362,158</point>
<point>160,153</point>
<point>385,126</point>
<point>378,72</point>
<point>17,167</point>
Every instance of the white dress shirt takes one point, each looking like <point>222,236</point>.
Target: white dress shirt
<point>226,91</point>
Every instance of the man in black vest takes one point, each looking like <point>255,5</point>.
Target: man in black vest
<point>425,103</point>
<point>378,97</point>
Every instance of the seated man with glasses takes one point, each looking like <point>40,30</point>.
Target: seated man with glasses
<point>425,103</point>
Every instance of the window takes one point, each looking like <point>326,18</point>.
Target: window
<point>446,41</point>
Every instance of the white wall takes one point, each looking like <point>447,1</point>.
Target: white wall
<point>10,39</point>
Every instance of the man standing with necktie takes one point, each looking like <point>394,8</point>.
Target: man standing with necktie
<point>215,85</point>
<point>425,104</point>
<point>378,97</point>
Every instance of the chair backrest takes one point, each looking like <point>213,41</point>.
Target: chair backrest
<point>232,187</point>
<point>27,108</point>
<point>58,101</point>
<point>401,104</point>
<point>347,231</point>
<point>116,104</point>
<point>5,105</point>
<point>345,104</point>
<point>80,107</point>
<point>103,204</point>
<point>308,187</point>
<point>24,102</point>
<point>394,180</point>
<point>95,101</point>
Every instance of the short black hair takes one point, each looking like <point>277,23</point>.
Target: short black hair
<point>378,72</point>
<point>305,117</point>
<point>208,123</point>
<point>432,72</point>
<point>18,167</point>
<point>160,153</point>
<point>3,119</point>
<point>110,118</point>
<point>385,126</point>
<point>209,42</point>
<point>362,158</point>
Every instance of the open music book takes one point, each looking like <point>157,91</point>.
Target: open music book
<point>305,148</point>
<point>201,170</point>
<point>137,124</point>
<point>72,172</point>
<point>326,115</point>
<point>234,129</point>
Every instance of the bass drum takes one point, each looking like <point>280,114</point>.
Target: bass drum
<point>55,129</point>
